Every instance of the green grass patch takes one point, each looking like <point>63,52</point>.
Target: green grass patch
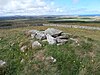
<point>71,59</point>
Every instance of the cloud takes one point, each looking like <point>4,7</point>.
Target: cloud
<point>28,7</point>
<point>75,1</point>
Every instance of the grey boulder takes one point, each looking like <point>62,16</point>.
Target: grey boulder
<point>40,35</point>
<point>50,39</point>
<point>28,33</point>
<point>53,32</point>
<point>63,41</point>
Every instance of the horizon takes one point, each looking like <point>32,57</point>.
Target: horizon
<point>48,7</point>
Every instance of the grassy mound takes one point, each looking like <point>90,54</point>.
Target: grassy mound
<point>71,58</point>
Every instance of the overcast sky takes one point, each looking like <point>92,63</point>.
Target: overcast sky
<point>49,7</point>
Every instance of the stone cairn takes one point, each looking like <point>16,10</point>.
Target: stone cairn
<point>51,35</point>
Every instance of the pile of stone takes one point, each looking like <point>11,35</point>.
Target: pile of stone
<point>2,67</point>
<point>51,35</point>
<point>2,63</point>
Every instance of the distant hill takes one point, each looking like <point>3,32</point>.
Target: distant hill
<point>42,16</point>
<point>90,15</point>
<point>16,17</point>
<point>29,17</point>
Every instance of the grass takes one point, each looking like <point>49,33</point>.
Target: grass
<point>94,34</point>
<point>71,58</point>
<point>80,24</point>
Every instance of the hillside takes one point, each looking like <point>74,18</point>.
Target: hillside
<point>81,58</point>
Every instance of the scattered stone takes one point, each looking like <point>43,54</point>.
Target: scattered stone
<point>62,37</point>
<point>59,44</point>
<point>33,36</point>
<point>75,40</point>
<point>28,33</point>
<point>26,54</point>
<point>2,63</point>
<point>44,40</point>
<point>51,59</point>
<point>54,60</point>
<point>21,44</point>
<point>33,31</point>
<point>23,48</point>
<point>68,35</point>
<point>22,60</point>
<point>36,44</point>
<point>63,41</point>
<point>3,67</point>
<point>50,39</point>
<point>53,32</point>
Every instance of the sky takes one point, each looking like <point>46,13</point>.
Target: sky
<point>49,7</point>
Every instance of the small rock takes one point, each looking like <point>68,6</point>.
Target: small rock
<point>63,41</point>
<point>51,59</point>
<point>75,40</point>
<point>26,54</point>
<point>59,44</point>
<point>33,36</point>
<point>53,32</point>
<point>62,37</point>
<point>3,67</point>
<point>2,63</point>
<point>54,60</point>
<point>44,40</point>
<point>23,48</point>
<point>50,39</point>
<point>33,31</point>
<point>22,60</point>
<point>36,44</point>
<point>28,33</point>
<point>68,35</point>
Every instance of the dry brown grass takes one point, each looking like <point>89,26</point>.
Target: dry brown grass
<point>94,34</point>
